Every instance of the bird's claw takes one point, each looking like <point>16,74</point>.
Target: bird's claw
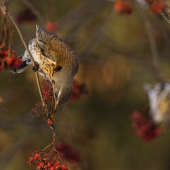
<point>35,67</point>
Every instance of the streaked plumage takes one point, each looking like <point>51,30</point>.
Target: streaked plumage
<point>56,61</point>
<point>159,101</point>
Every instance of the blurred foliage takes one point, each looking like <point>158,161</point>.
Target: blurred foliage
<point>115,62</point>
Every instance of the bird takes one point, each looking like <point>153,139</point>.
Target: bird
<point>159,102</point>
<point>54,60</point>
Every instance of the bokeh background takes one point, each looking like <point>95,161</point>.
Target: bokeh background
<point>115,63</point>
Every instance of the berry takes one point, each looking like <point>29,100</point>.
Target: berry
<point>57,163</point>
<point>45,160</point>
<point>9,61</point>
<point>36,163</point>
<point>51,27</point>
<point>157,6</point>
<point>52,168</point>
<point>63,167</point>
<point>38,168</point>
<point>122,7</point>
<point>49,164</point>
<point>41,164</point>
<point>36,156</point>
<point>31,159</point>
<point>5,53</point>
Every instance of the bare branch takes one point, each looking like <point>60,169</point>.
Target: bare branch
<point>152,42</point>
<point>166,15</point>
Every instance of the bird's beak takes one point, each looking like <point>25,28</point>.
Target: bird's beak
<point>56,105</point>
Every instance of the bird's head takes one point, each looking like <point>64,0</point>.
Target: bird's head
<point>62,90</point>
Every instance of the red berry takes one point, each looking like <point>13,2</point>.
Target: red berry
<point>63,167</point>
<point>51,27</point>
<point>38,168</point>
<point>45,160</point>
<point>52,168</point>
<point>9,60</point>
<point>36,156</point>
<point>157,6</point>
<point>5,53</point>
<point>31,159</point>
<point>57,163</point>
<point>36,163</point>
<point>41,164</point>
<point>49,164</point>
<point>122,7</point>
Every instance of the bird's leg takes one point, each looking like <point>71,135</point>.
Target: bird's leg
<point>35,67</point>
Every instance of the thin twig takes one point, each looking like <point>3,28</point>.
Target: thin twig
<point>152,42</point>
<point>166,15</point>
<point>6,9</point>
<point>54,135</point>
<point>34,10</point>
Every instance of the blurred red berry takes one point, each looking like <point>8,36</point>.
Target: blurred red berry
<point>41,164</point>
<point>36,163</point>
<point>63,167</point>
<point>57,163</point>
<point>68,152</point>
<point>38,168</point>
<point>49,164</point>
<point>31,159</point>
<point>36,156</point>
<point>52,168</point>
<point>45,160</point>
<point>25,15</point>
<point>51,27</point>
<point>78,90</point>
<point>157,6</point>
<point>5,53</point>
<point>144,128</point>
<point>123,7</point>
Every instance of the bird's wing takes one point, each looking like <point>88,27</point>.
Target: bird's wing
<point>44,38</point>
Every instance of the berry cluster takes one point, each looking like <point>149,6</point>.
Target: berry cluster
<point>43,162</point>
<point>8,60</point>
<point>78,90</point>
<point>122,7</point>
<point>48,102</point>
<point>51,27</point>
<point>47,92</point>
<point>25,16</point>
<point>145,128</point>
<point>68,152</point>
<point>156,5</point>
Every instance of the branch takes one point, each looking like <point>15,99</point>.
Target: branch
<point>6,9</point>
<point>166,15</point>
<point>152,42</point>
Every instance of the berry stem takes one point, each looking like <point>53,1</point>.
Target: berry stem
<point>151,39</point>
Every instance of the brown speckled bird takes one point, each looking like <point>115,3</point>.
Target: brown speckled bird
<point>55,60</point>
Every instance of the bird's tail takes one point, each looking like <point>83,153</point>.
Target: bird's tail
<point>26,62</point>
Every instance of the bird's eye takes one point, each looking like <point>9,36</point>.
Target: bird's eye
<point>162,87</point>
<point>56,95</point>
